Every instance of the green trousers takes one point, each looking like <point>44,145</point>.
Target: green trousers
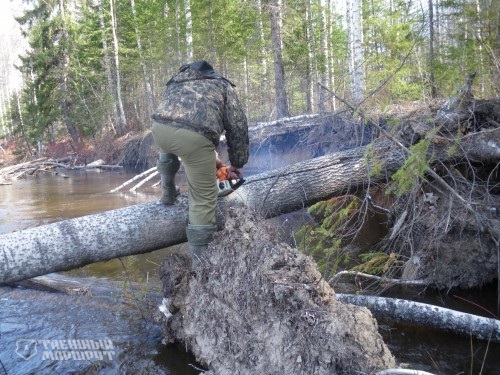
<point>198,156</point>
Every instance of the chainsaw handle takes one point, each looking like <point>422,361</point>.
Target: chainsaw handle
<point>236,169</point>
<point>238,174</point>
<point>238,182</point>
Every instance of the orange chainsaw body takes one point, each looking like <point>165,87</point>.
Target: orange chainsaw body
<point>223,173</point>
<point>226,185</point>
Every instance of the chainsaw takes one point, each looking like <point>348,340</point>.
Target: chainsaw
<point>225,184</point>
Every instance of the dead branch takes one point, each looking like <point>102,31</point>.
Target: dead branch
<point>139,176</point>
<point>334,279</point>
<point>400,371</point>
<point>154,174</point>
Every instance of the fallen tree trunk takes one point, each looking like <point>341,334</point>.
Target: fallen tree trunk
<point>76,242</point>
<point>146,227</point>
<point>302,184</point>
<point>428,315</point>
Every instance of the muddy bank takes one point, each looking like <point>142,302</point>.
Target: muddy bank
<point>259,306</point>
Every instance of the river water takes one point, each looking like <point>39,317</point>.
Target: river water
<point>97,325</point>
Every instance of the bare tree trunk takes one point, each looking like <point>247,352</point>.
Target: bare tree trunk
<point>147,85</point>
<point>107,67</point>
<point>308,74</point>
<point>5,93</point>
<point>21,122</point>
<point>246,88</point>
<point>64,76</point>
<point>189,30</point>
<point>322,97</point>
<point>431,49</point>
<point>12,45</point>
<point>356,58</point>
<point>178,31</point>
<point>279,73</point>
<point>263,60</point>
<point>260,27</point>
<point>331,72</point>
<point>211,33</point>
<point>73,243</point>
<point>4,104</point>
<point>122,120</point>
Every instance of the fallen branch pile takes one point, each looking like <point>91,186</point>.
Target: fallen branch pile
<point>45,165</point>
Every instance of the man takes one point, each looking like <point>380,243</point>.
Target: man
<point>198,106</point>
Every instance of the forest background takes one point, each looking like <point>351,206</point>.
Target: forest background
<point>94,71</point>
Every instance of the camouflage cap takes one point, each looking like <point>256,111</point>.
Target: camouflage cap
<point>202,66</point>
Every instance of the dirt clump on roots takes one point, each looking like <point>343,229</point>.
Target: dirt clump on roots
<point>258,306</point>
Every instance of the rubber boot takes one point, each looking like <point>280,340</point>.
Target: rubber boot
<point>168,165</point>
<point>199,236</point>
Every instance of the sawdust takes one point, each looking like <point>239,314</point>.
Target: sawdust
<point>260,307</point>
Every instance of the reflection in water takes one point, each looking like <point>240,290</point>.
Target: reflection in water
<point>48,198</point>
<point>98,328</point>
<point>31,320</point>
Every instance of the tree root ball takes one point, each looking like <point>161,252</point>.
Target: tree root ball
<point>257,306</point>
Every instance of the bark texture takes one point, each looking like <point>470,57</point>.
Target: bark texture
<point>428,316</point>
<point>73,243</point>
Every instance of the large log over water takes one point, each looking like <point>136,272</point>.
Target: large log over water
<point>302,184</point>
<point>146,227</point>
<point>150,226</point>
<point>76,242</point>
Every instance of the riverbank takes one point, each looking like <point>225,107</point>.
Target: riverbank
<point>106,148</point>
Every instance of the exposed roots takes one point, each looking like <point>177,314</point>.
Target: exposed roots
<point>260,306</point>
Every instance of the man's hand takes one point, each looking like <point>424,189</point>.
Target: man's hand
<point>235,173</point>
<point>218,163</point>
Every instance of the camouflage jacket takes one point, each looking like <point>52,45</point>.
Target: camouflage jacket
<point>208,106</point>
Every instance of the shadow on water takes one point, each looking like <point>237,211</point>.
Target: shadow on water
<point>438,352</point>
